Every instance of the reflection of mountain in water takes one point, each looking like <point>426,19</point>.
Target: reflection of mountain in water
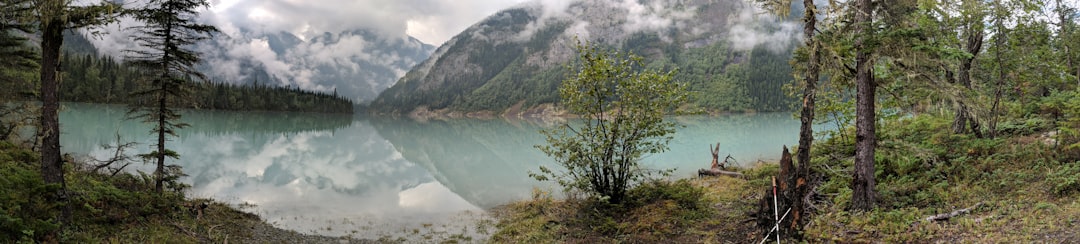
<point>484,162</point>
<point>487,162</point>
<point>390,171</point>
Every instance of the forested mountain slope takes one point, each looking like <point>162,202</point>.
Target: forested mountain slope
<point>732,59</point>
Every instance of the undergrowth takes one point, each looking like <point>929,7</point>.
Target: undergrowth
<point>1026,191</point>
<point>705,210</point>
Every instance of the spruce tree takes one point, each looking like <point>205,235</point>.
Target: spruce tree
<point>166,58</point>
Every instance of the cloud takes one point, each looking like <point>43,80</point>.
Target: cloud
<point>258,35</point>
<point>751,27</point>
<point>431,21</point>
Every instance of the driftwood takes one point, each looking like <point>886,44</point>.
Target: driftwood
<point>946,216</point>
<point>720,172</point>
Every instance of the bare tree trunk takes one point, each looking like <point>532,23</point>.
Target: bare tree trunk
<point>52,168</point>
<point>159,173</point>
<point>864,196</point>
<point>999,41</point>
<point>806,128</point>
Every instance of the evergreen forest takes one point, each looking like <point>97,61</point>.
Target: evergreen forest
<point>92,78</point>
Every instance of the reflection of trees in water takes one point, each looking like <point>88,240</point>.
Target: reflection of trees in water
<point>98,117</point>
<point>263,122</point>
<point>486,162</point>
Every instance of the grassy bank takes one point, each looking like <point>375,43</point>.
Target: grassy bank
<point>1023,187</point>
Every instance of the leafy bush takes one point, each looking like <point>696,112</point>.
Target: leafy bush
<point>623,113</point>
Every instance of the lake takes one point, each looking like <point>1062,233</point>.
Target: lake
<point>366,177</point>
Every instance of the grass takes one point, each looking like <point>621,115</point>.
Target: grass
<point>705,210</point>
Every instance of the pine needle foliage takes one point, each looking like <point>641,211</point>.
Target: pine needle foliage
<point>165,57</point>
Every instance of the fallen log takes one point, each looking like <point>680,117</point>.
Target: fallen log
<point>946,216</point>
<point>719,172</point>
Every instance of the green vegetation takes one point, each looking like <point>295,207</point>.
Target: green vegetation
<point>706,210</point>
<point>121,208</point>
<point>623,119</point>
<point>92,79</point>
<point>1026,184</point>
<point>955,141</point>
<point>164,59</point>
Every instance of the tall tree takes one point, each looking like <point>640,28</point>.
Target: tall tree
<point>166,57</point>
<point>51,18</point>
<point>864,195</point>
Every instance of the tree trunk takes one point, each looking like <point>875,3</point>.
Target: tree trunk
<point>159,173</point>
<point>963,113</point>
<point>863,183</point>
<point>806,120</point>
<point>52,167</point>
<point>999,41</point>
<point>51,40</point>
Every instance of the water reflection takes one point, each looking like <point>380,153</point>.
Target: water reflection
<point>312,175</point>
<point>374,177</point>
<point>485,162</point>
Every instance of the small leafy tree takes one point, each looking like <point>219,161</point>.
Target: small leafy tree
<point>622,109</point>
<point>166,37</point>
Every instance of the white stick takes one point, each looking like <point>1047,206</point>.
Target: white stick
<point>776,210</point>
<point>775,227</point>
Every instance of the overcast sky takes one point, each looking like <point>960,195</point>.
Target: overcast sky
<point>431,21</point>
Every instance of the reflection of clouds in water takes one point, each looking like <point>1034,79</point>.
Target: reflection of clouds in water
<point>433,197</point>
<point>385,176</point>
<point>306,181</point>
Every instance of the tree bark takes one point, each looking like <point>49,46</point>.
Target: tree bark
<point>52,167</point>
<point>806,119</point>
<point>159,172</point>
<point>51,40</point>
<point>999,41</point>
<point>864,196</point>
<point>973,46</point>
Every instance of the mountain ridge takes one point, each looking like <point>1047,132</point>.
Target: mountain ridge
<point>516,55</point>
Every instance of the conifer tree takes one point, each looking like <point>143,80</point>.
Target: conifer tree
<point>167,61</point>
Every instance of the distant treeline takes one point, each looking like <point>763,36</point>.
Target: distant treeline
<point>92,79</point>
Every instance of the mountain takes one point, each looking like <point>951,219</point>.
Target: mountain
<point>513,60</point>
<point>356,64</point>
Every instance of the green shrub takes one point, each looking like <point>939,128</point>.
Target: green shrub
<point>1066,179</point>
<point>25,214</point>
